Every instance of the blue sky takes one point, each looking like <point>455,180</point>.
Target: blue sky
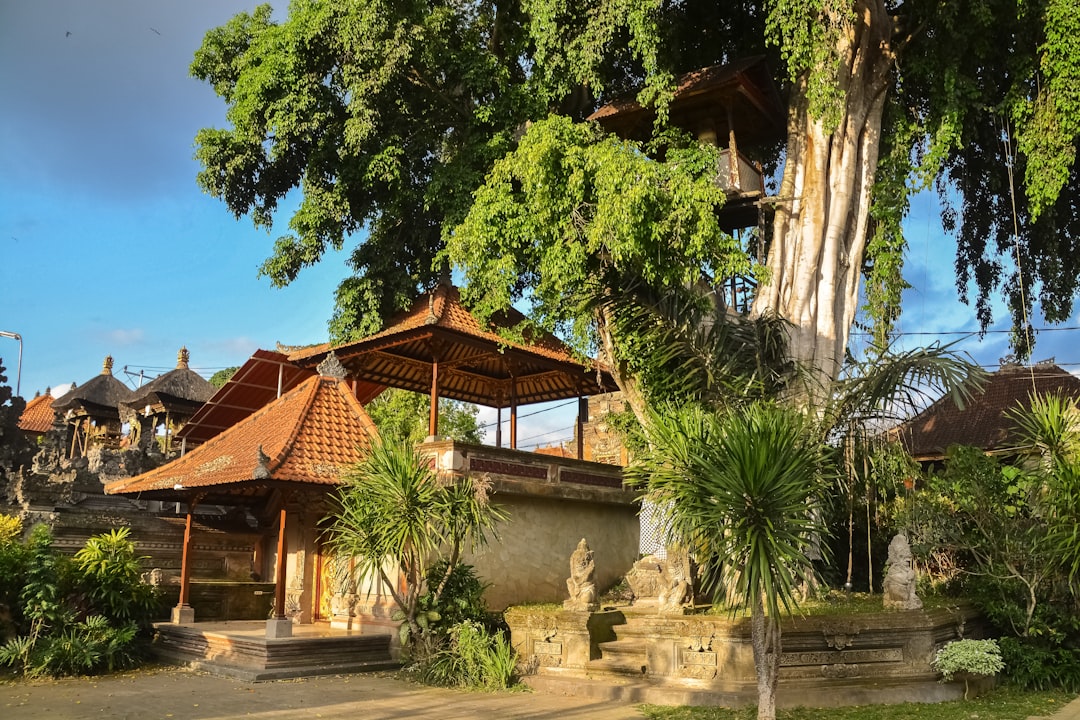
<point>108,247</point>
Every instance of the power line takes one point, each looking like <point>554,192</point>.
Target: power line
<point>534,412</point>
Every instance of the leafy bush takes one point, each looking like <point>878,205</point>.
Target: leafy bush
<point>474,658</point>
<point>13,558</point>
<point>77,617</point>
<point>1035,665</point>
<point>462,597</point>
<point>111,578</point>
<point>967,658</point>
<point>976,657</point>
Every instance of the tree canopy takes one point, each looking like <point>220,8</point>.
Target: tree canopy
<point>453,132</point>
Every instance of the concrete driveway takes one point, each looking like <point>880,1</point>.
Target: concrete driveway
<point>181,694</point>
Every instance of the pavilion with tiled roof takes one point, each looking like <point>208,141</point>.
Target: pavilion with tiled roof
<point>168,400</point>
<point>37,417</point>
<point>281,460</point>
<point>439,348</point>
<point>984,421</point>
<point>92,410</point>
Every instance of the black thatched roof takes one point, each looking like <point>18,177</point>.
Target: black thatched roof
<point>100,396</point>
<point>181,386</point>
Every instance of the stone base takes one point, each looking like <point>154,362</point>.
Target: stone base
<point>279,628</point>
<point>182,614</point>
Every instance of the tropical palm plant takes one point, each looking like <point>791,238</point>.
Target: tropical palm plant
<point>1048,433</point>
<point>394,516</point>
<point>737,487</point>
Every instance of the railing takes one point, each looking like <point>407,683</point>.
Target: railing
<point>738,175</point>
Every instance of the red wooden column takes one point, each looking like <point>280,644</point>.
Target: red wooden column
<point>183,612</point>
<point>280,625</point>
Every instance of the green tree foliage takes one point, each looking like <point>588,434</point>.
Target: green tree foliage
<point>15,449</point>
<point>395,518</point>
<point>385,114</point>
<point>221,377</point>
<point>402,417</point>
<point>1010,525</point>
<point>388,117</point>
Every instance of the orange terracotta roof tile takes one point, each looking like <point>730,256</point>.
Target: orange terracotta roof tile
<point>37,416</point>
<point>442,308</point>
<point>555,451</point>
<point>307,436</point>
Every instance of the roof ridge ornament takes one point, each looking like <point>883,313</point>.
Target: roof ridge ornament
<point>432,318</point>
<point>262,466</point>
<point>331,367</point>
<point>106,367</point>
<point>182,358</point>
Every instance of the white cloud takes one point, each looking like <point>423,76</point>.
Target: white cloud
<point>122,337</point>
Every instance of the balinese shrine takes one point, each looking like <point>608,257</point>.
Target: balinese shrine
<point>275,439</point>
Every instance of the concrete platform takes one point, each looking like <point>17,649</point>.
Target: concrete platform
<point>792,693</point>
<point>241,650</point>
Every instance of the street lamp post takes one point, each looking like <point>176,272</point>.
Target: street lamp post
<point>18,376</point>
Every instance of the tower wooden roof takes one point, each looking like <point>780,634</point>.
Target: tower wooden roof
<point>740,96</point>
<point>180,390</point>
<point>475,363</point>
<point>100,396</point>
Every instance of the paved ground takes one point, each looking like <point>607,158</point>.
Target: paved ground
<point>1069,712</point>
<point>178,694</point>
<point>184,695</point>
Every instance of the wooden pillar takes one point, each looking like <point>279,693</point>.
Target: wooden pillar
<point>280,626</point>
<point>281,567</point>
<point>582,416</point>
<point>513,413</point>
<point>498,426</point>
<point>183,612</point>
<point>433,410</point>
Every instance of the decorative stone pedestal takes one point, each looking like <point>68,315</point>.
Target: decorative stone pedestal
<point>182,614</point>
<point>279,627</point>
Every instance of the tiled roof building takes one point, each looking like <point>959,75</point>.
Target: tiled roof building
<point>37,416</point>
<point>306,436</point>
<point>984,421</point>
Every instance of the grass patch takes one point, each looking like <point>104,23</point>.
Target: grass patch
<point>1004,703</point>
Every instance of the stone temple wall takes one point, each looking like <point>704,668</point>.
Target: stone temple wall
<point>531,560</point>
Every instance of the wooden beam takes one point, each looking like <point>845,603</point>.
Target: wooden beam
<point>282,564</point>
<point>185,560</point>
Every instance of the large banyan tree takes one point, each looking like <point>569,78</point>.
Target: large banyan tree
<point>454,131</point>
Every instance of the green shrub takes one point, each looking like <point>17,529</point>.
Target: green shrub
<point>77,617</point>
<point>1034,664</point>
<point>462,598</point>
<point>473,658</point>
<point>966,658</point>
<point>110,578</point>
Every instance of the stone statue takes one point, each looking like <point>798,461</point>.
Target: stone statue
<point>678,590</point>
<point>581,584</point>
<point>899,582</point>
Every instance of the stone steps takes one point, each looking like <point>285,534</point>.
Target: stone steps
<point>621,657</point>
<point>254,658</point>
